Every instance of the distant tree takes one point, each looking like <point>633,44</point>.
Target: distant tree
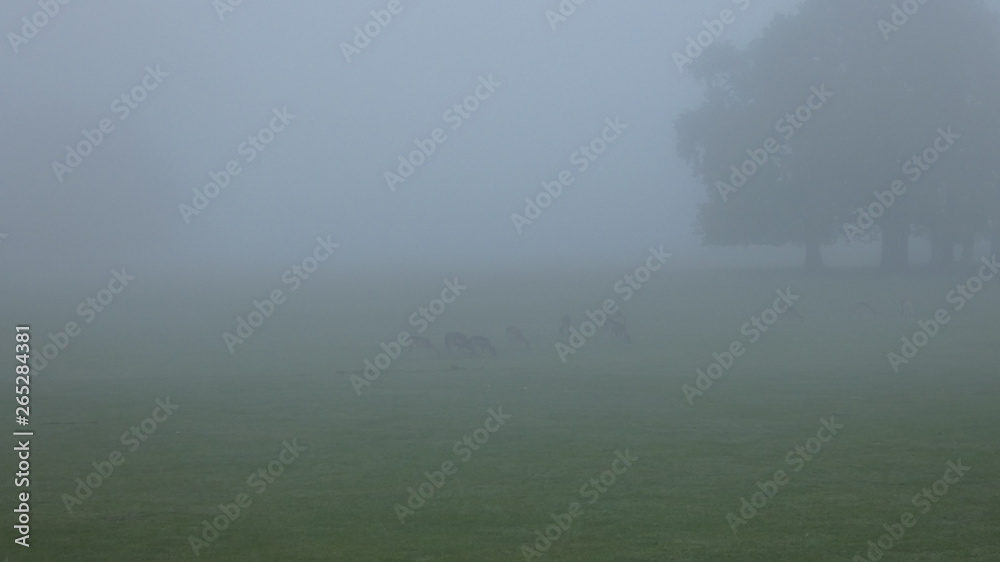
<point>896,81</point>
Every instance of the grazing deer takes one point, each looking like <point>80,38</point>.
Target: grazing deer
<point>515,335</point>
<point>457,340</point>
<point>618,329</point>
<point>567,323</point>
<point>793,313</point>
<point>864,310</point>
<point>420,342</point>
<point>482,343</point>
<point>906,307</point>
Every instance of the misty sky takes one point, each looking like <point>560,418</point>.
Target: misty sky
<point>324,173</point>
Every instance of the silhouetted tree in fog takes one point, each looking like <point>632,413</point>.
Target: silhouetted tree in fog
<point>912,102</point>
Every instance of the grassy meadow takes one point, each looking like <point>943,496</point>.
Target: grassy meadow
<point>359,454</point>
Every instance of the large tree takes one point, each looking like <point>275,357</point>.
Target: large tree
<point>899,77</point>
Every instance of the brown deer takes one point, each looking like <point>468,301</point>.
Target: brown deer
<point>515,335</point>
<point>482,343</point>
<point>420,342</point>
<point>457,340</point>
<point>906,307</point>
<point>864,310</point>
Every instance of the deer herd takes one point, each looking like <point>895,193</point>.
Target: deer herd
<point>457,343</point>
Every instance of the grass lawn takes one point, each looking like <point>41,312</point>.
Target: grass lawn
<point>336,497</point>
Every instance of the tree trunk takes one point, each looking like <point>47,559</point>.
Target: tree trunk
<point>994,239</point>
<point>968,247</point>
<point>942,249</point>
<point>812,235</point>
<point>814,256</point>
<point>895,246</point>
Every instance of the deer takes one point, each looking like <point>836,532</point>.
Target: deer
<point>864,310</point>
<point>567,323</point>
<point>420,342</point>
<point>457,340</point>
<point>481,342</point>
<point>906,307</point>
<point>515,335</point>
<point>618,329</point>
<point>793,313</point>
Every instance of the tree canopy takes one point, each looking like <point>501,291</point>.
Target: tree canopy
<point>852,120</point>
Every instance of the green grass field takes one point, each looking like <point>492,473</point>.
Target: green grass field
<point>336,500</point>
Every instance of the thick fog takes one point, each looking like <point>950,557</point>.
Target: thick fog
<point>217,82</point>
<point>470,195</point>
